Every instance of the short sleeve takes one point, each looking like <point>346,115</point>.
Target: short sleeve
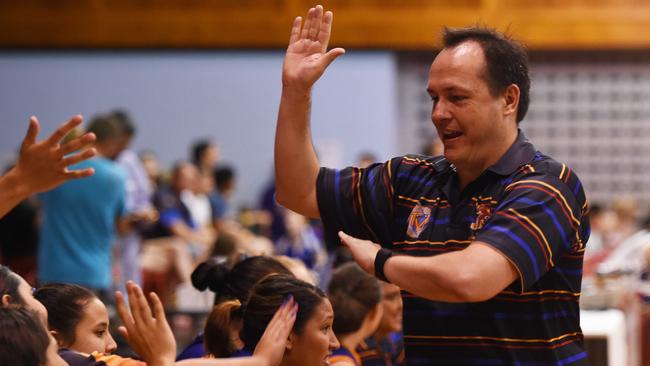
<point>538,219</point>
<point>357,201</point>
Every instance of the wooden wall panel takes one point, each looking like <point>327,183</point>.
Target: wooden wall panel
<point>386,24</point>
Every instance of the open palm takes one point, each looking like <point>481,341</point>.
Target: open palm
<point>307,56</point>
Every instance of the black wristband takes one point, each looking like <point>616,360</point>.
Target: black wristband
<point>380,260</point>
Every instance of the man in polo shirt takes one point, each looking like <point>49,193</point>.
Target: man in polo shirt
<point>486,241</point>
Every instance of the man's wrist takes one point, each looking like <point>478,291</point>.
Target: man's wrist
<point>380,262</point>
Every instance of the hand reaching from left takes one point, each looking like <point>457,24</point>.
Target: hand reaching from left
<point>44,165</point>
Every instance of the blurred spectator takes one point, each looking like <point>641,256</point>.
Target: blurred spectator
<point>366,158</point>
<point>138,203</point>
<point>629,256</point>
<point>301,242</point>
<point>356,300</point>
<point>269,204</point>
<point>386,346</point>
<point>152,167</point>
<point>298,269</point>
<point>176,241</point>
<point>80,218</point>
<point>224,179</point>
<point>205,155</point>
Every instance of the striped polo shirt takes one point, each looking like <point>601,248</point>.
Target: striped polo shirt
<point>527,206</point>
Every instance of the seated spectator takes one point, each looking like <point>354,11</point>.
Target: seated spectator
<point>386,346</point>
<point>205,155</point>
<point>356,299</point>
<point>176,242</point>
<point>24,339</point>
<point>311,340</point>
<point>298,269</point>
<point>301,242</point>
<point>229,284</point>
<point>14,290</point>
<point>77,319</point>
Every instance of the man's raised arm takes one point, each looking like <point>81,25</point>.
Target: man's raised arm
<point>296,164</point>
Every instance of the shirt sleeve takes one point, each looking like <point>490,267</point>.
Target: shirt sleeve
<point>357,201</point>
<point>539,218</point>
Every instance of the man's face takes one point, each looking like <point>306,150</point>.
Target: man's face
<point>468,118</point>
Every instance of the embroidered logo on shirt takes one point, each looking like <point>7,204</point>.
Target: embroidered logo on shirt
<point>418,220</point>
<point>483,214</point>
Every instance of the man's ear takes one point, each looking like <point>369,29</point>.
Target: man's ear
<point>511,99</point>
<point>6,300</point>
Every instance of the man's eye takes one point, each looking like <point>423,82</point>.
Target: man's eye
<point>457,98</point>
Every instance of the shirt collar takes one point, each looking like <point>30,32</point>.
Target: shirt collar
<point>521,152</point>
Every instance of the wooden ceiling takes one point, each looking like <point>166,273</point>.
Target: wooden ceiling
<point>359,24</point>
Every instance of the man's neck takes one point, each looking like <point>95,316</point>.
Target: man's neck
<point>467,173</point>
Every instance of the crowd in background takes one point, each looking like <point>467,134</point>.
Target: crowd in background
<point>176,233</point>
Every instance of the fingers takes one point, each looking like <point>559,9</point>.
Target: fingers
<point>79,173</point>
<point>76,158</point>
<point>32,132</point>
<point>308,20</point>
<point>316,23</point>
<point>64,129</point>
<point>330,56</point>
<point>325,30</point>
<point>295,30</point>
<point>122,311</point>
<point>136,300</point>
<point>78,143</point>
<point>158,309</point>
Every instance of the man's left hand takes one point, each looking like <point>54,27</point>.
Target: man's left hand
<point>363,251</point>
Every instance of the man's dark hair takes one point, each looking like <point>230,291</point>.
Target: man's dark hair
<point>506,61</point>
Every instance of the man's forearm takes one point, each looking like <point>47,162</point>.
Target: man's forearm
<point>296,164</point>
<point>12,191</point>
<point>476,273</point>
<point>428,277</point>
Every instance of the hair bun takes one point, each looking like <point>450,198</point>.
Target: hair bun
<point>211,274</point>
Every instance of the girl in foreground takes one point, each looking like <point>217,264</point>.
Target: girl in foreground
<point>311,339</point>
<point>86,341</point>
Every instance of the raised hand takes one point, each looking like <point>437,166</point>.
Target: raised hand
<point>307,56</point>
<point>44,165</point>
<point>147,331</point>
<point>271,346</point>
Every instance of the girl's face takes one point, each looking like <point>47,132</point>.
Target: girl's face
<point>313,346</point>
<point>91,334</point>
